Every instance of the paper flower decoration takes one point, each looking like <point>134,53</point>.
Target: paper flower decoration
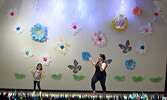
<point>119,78</point>
<point>75,28</point>
<point>146,29</point>
<point>85,55</point>
<point>141,47</point>
<point>26,53</point>
<point>137,79</point>
<point>125,47</point>
<point>155,79</point>
<point>130,64</point>
<point>19,76</point>
<point>78,78</point>
<point>137,11</point>
<point>12,13</point>
<point>119,23</point>
<point>157,14</point>
<point>76,67</point>
<point>57,77</point>
<point>39,32</point>
<point>45,59</point>
<point>62,46</point>
<point>99,39</point>
<point>18,28</point>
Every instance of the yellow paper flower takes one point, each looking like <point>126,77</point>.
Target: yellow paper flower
<point>119,23</point>
<point>62,46</point>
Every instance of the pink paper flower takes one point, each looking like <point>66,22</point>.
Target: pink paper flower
<point>99,39</point>
<point>146,29</point>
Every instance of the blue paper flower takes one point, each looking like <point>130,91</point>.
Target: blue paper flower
<point>130,64</point>
<point>39,32</point>
<point>85,55</point>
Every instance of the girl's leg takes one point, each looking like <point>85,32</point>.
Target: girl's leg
<point>35,85</point>
<point>102,82</point>
<point>38,83</point>
<point>93,82</point>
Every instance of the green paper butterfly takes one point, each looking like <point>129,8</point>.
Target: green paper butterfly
<point>78,78</point>
<point>126,47</point>
<point>119,78</point>
<point>137,79</point>
<point>76,67</point>
<point>19,76</point>
<point>57,77</point>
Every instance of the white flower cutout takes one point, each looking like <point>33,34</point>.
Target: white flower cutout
<point>45,59</point>
<point>141,47</point>
<point>26,53</point>
<point>12,13</point>
<point>157,14</point>
<point>146,29</point>
<point>74,27</point>
<point>17,28</point>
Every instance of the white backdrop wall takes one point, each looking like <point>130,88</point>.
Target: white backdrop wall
<point>93,16</point>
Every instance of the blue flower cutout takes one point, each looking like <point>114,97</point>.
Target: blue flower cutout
<point>39,32</point>
<point>130,64</point>
<point>85,55</point>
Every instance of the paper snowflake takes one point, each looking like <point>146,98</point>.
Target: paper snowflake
<point>45,59</point>
<point>141,47</point>
<point>146,29</point>
<point>99,39</point>
<point>62,46</point>
<point>17,28</point>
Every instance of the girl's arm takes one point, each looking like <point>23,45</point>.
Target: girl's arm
<point>32,71</point>
<point>103,67</point>
<point>41,74</point>
<point>90,59</point>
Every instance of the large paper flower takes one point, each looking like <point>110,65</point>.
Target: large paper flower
<point>141,47</point>
<point>137,11</point>
<point>12,13</point>
<point>99,39</point>
<point>75,28</point>
<point>26,53</point>
<point>146,29</point>
<point>119,23</point>
<point>157,14</point>
<point>62,46</point>
<point>45,59</point>
<point>130,64</point>
<point>39,32</point>
<point>18,28</point>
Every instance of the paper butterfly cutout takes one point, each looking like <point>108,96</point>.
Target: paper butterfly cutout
<point>76,67</point>
<point>108,61</point>
<point>126,47</point>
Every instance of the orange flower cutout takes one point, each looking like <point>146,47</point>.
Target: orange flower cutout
<point>137,11</point>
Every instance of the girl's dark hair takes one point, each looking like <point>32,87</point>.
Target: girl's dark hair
<point>103,56</point>
<point>39,64</point>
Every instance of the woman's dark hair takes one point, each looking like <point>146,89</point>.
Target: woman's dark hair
<point>103,56</point>
<point>39,64</point>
